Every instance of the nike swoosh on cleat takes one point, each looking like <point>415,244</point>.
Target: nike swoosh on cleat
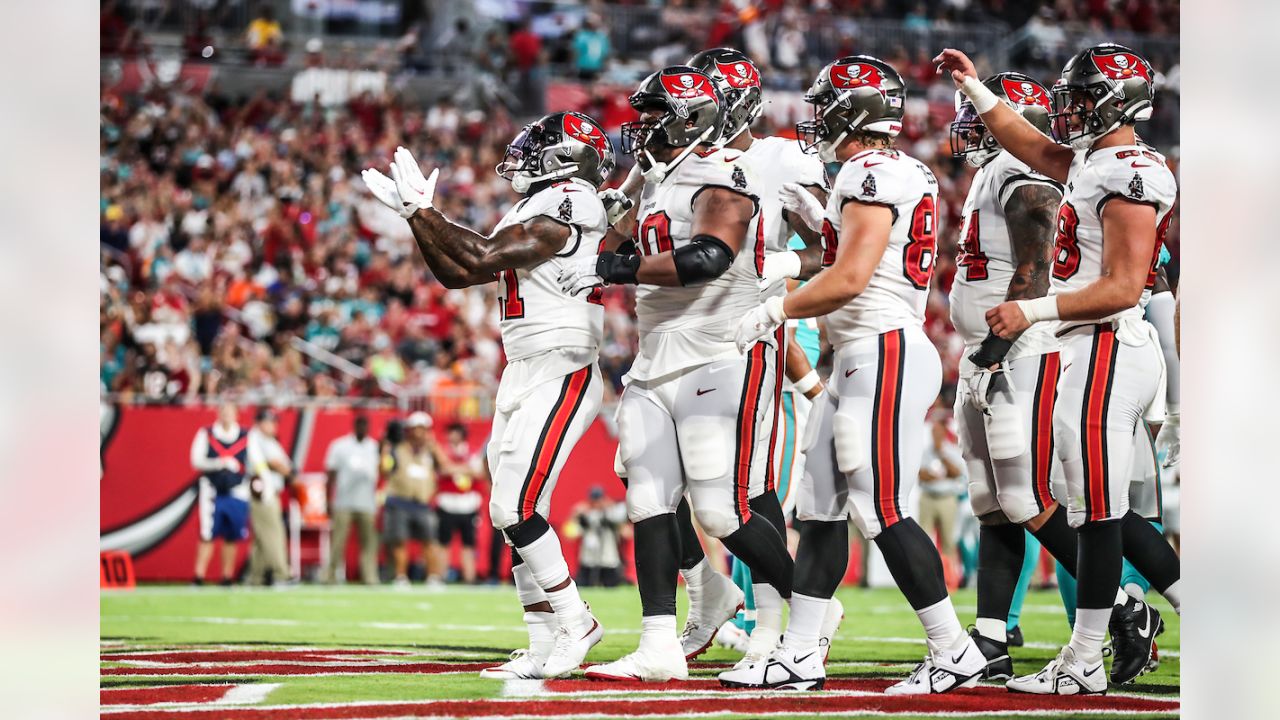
<point>594,624</point>
<point>847,373</point>
<point>956,659</point>
<point>801,659</point>
<point>1088,673</point>
<point>1145,630</point>
<point>702,392</point>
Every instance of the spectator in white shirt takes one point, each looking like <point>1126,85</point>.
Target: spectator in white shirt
<point>351,464</point>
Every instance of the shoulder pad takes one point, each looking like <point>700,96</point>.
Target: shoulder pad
<point>1136,174</point>
<point>568,202</point>
<point>722,167</point>
<point>877,176</point>
<point>1008,173</point>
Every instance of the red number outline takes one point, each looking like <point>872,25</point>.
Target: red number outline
<point>1066,244</point>
<point>971,257</point>
<point>512,307</point>
<point>922,242</point>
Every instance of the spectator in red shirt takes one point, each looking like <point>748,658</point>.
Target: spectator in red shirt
<point>525,47</point>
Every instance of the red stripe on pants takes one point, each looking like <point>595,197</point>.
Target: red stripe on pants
<point>1093,434</point>
<point>756,367</point>
<point>1042,429</point>
<point>885,452</point>
<point>545,459</point>
<point>770,475</point>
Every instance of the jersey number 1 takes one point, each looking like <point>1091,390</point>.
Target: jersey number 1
<point>917,256</point>
<point>512,304</point>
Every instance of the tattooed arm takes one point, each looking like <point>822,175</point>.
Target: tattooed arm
<point>1029,215</point>
<point>461,257</point>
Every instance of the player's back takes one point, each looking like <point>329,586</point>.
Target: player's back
<point>537,316</point>
<point>1096,177</point>
<point>987,259</point>
<point>779,161</point>
<point>683,327</point>
<point>898,290</point>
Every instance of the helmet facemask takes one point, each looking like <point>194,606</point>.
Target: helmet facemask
<point>828,128</point>
<point>1080,114</point>
<point>1101,89</point>
<point>970,138</point>
<point>671,122</point>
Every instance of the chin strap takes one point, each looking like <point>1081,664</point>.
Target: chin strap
<point>521,182</point>
<point>658,171</point>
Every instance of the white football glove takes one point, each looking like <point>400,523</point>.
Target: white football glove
<point>384,188</point>
<point>799,202</point>
<point>758,324</point>
<point>1169,440</point>
<point>580,275</point>
<point>778,266</point>
<point>616,204</point>
<point>416,192</point>
<point>984,384</point>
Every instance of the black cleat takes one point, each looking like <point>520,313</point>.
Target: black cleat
<point>999,664</point>
<point>1014,637</point>
<point>1134,627</point>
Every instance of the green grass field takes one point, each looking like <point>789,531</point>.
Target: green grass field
<point>302,651</point>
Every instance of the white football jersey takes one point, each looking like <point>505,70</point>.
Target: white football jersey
<point>779,161</point>
<point>985,262</point>
<point>898,290</point>
<point>1096,177</point>
<point>684,327</point>
<point>537,316</point>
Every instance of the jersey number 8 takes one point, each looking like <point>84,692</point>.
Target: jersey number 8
<point>917,256</point>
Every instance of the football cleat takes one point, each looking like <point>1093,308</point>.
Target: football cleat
<point>523,665</point>
<point>1064,675</point>
<point>830,626</point>
<point>944,671</point>
<point>647,664</point>
<point>733,637</point>
<point>1134,627</point>
<point>573,642</point>
<point>783,669</point>
<point>719,603</point>
<point>999,664</point>
<point>1154,663</point>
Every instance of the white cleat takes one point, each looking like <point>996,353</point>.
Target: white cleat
<point>959,667</point>
<point>523,665</point>
<point>573,642</point>
<point>830,626</point>
<point>733,637</point>
<point>1064,675</point>
<point>719,604</point>
<point>783,669</point>
<point>647,664</point>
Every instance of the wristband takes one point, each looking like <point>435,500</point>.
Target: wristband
<point>1043,308</point>
<point>806,383</point>
<point>981,97</point>
<point>617,269</point>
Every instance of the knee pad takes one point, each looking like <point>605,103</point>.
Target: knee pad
<point>716,522</point>
<point>1018,506</point>
<point>501,516</point>
<point>705,447</point>
<point>981,498</point>
<point>847,440</point>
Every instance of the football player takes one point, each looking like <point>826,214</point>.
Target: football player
<point>551,388</point>
<point>1109,231</point>
<point>864,448</point>
<point>694,407</point>
<point>1004,404</point>
<point>711,597</point>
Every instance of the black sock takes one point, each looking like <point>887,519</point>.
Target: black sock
<point>768,505</point>
<point>822,557</point>
<point>690,546</point>
<point>1149,552</point>
<point>657,551</point>
<point>758,545</point>
<point>1059,539</point>
<point>913,562</point>
<point>1098,569</point>
<point>516,560</point>
<point>1000,552</point>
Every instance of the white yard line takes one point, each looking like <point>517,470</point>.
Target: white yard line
<point>249,694</point>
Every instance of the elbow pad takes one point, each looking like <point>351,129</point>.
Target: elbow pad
<point>705,258</point>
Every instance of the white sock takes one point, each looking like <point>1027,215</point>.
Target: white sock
<point>1173,595</point>
<point>545,560</point>
<point>1122,597</point>
<point>696,580</point>
<point>941,626</point>
<point>768,617</point>
<point>527,588</point>
<point>993,628</point>
<point>1089,633</point>
<point>542,631</point>
<point>658,631</point>
<point>805,627</point>
<point>1135,591</point>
